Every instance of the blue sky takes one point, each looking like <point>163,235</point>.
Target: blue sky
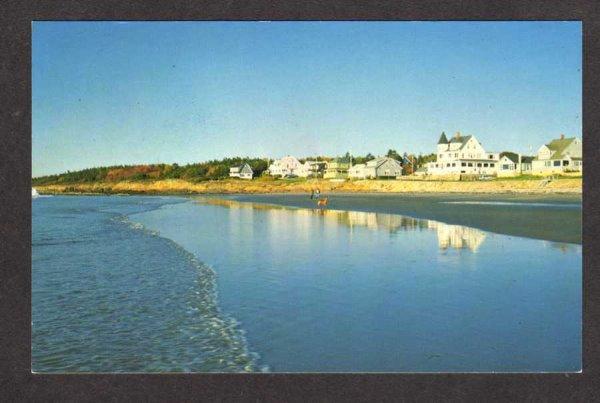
<point>107,93</point>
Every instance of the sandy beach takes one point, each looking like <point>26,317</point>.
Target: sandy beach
<point>230,186</point>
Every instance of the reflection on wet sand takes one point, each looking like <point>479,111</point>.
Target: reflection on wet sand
<point>563,247</point>
<point>449,236</point>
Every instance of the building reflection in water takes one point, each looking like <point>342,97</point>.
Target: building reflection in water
<point>449,236</point>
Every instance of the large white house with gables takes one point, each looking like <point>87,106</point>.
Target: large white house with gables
<point>558,156</point>
<point>287,165</point>
<point>462,155</point>
<point>292,166</point>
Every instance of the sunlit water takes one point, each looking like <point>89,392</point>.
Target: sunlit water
<point>166,284</point>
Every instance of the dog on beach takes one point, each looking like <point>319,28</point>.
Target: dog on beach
<point>322,202</point>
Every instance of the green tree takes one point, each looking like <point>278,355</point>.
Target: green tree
<point>394,154</point>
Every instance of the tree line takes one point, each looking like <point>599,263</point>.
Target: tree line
<point>197,172</point>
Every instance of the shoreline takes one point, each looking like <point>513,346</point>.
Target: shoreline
<point>571,186</point>
<point>548,217</point>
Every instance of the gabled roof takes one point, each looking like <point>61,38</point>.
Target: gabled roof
<point>511,156</point>
<point>559,146</point>
<point>461,139</point>
<point>244,166</point>
<point>377,162</point>
<point>443,139</point>
<point>239,168</point>
<point>526,159</point>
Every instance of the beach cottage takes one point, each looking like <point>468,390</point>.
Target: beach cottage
<point>357,171</point>
<point>337,169</point>
<point>312,169</point>
<point>513,164</point>
<point>383,168</point>
<point>244,171</point>
<point>287,165</point>
<point>462,155</point>
<point>558,156</point>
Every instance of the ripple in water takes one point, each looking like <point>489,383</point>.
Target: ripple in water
<point>130,301</point>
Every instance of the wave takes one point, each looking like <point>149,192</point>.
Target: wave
<point>233,353</point>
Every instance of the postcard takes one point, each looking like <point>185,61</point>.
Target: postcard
<point>306,197</point>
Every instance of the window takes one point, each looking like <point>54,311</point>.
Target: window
<point>462,172</point>
<point>463,164</point>
<point>455,155</point>
<point>462,155</point>
<point>547,163</point>
<point>470,164</point>
<point>491,156</point>
<point>565,163</point>
<point>453,164</point>
<point>492,165</point>
<point>485,164</point>
<point>479,164</point>
<point>556,163</point>
<point>505,167</point>
<point>447,165</point>
<point>441,155</point>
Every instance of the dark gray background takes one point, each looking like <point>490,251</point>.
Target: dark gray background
<point>16,381</point>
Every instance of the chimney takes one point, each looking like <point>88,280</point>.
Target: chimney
<point>562,136</point>
<point>457,135</point>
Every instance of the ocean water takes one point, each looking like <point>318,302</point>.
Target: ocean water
<point>111,296</point>
<point>155,284</point>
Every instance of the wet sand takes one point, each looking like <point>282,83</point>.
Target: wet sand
<point>550,217</point>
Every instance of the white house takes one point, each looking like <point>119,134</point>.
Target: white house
<point>560,155</point>
<point>357,171</point>
<point>311,169</point>
<point>244,171</point>
<point>462,155</point>
<point>285,166</point>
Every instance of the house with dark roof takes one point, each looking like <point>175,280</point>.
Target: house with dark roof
<point>462,155</point>
<point>513,164</point>
<point>560,155</point>
<point>244,171</point>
